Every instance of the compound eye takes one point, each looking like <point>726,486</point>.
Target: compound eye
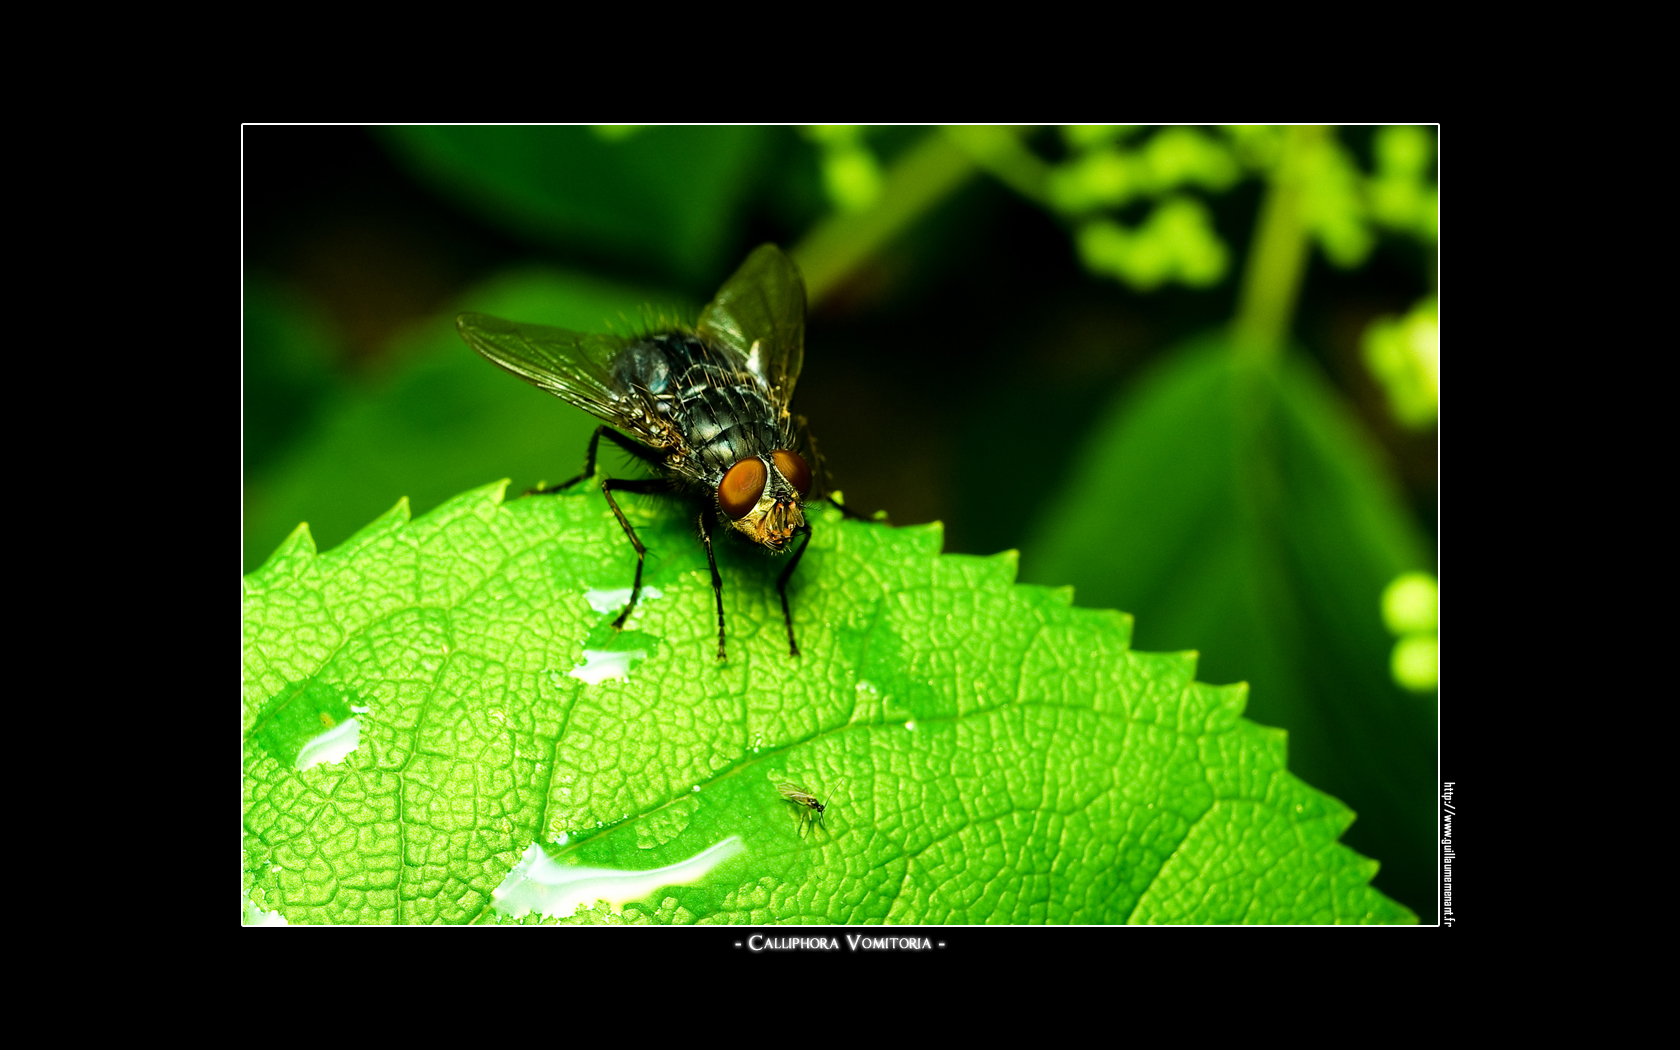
<point>793,468</point>
<point>740,489</point>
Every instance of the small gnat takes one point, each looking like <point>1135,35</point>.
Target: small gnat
<point>811,807</point>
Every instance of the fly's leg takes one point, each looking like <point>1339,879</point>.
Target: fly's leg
<point>717,581</point>
<point>781,585</point>
<point>588,468</point>
<point>819,466</point>
<point>608,487</point>
<point>850,513</point>
<point>819,469</point>
<point>635,448</point>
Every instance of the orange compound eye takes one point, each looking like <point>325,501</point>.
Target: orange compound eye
<point>793,467</point>
<point>739,490</point>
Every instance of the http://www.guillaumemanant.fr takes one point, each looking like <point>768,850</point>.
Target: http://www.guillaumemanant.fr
<point>1447,854</point>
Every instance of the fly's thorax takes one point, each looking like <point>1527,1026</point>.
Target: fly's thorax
<point>777,513</point>
<point>715,412</point>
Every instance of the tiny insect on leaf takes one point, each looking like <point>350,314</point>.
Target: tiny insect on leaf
<point>810,806</point>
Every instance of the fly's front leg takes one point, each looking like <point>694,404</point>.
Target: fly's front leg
<point>588,469</point>
<point>819,469</point>
<point>635,448</point>
<point>781,585</point>
<point>850,513</point>
<point>717,581</point>
<point>608,487</point>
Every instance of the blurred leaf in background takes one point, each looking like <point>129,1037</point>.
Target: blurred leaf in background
<point>443,422</point>
<point>670,194</point>
<point>289,356</point>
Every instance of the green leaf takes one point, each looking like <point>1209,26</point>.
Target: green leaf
<point>1244,513</point>
<point>670,194</point>
<point>288,356</point>
<point>986,752</point>
<point>443,422</point>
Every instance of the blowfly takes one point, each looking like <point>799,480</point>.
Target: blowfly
<point>705,407</point>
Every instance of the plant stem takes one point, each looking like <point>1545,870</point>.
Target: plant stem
<point>1278,257</point>
<point>1001,154</point>
<point>932,170</point>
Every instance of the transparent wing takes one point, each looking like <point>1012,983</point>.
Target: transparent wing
<point>759,313</point>
<point>574,367</point>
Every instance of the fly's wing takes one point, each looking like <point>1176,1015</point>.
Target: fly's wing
<point>574,367</point>
<point>795,793</point>
<point>759,313</point>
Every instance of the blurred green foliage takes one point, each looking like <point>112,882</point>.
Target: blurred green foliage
<point>1177,242</point>
<point>1411,606</point>
<point>289,351</point>
<point>1404,355</point>
<point>851,171</point>
<point>1224,488</point>
<point>670,194</point>
<point>442,423</point>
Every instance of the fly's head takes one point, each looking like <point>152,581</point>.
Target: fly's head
<point>763,497</point>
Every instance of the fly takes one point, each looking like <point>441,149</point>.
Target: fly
<point>706,408</point>
<point>812,806</point>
